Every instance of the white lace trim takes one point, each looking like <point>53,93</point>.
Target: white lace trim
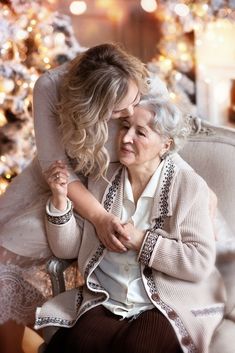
<point>18,297</point>
<point>25,285</point>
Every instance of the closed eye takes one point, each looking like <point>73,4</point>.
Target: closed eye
<point>141,133</point>
<point>124,124</point>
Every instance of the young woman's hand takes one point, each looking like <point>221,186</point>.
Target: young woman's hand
<point>57,178</point>
<point>110,230</point>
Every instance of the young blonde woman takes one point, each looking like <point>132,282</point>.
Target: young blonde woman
<point>164,295</point>
<point>75,107</point>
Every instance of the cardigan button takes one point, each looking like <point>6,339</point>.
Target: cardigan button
<point>147,272</point>
<point>172,315</point>
<point>186,341</point>
<point>155,297</point>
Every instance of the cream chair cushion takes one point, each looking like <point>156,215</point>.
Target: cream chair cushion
<point>211,152</point>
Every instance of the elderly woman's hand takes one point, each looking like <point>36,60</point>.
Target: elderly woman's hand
<point>57,178</point>
<point>110,230</point>
<point>136,237</point>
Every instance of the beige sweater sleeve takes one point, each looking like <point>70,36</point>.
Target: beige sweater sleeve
<point>46,120</point>
<point>185,248</point>
<point>63,231</point>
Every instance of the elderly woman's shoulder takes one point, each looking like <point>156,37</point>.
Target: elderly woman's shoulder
<point>186,174</point>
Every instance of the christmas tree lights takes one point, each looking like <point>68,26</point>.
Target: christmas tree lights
<point>33,38</point>
<point>175,57</point>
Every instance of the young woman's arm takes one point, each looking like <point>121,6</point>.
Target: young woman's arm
<point>106,224</point>
<point>50,149</point>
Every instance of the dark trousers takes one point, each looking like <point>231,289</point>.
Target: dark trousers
<point>100,331</point>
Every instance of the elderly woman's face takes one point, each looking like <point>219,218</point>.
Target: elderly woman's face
<point>138,143</point>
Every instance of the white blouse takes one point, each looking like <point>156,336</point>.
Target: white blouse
<point>127,295</point>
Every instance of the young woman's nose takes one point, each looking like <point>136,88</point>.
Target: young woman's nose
<point>130,110</point>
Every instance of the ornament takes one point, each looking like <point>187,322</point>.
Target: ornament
<point>3,185</point>
<point>6,85</point>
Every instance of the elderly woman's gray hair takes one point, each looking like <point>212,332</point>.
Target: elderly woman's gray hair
<point>168,120</point>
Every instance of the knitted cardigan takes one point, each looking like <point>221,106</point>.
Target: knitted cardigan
<point>177,257</point>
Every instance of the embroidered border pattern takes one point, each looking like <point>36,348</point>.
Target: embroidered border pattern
<point>60,219</point>
<point>152,237</point>
<point>186,340</point>
<point>112,191</point>
<point>94,259</point>
<point>219,309</point>
<point>95,286</point>
<point>107,205</point>
<point>55,321</point>
<point>148,247</point>
<point>166,188</point>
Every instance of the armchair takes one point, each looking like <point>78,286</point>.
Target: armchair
<point>211,152</point>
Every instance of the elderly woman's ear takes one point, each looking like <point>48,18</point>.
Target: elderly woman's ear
<point>165,148</point>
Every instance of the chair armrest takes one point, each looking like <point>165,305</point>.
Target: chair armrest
<point>55,267</point>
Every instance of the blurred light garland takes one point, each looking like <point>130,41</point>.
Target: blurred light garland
<point>175,57</point>
<point>34,38</point>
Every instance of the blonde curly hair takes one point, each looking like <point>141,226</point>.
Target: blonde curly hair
<point>97,80</point>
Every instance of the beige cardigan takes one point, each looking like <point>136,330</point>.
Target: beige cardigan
<point>177,257</point>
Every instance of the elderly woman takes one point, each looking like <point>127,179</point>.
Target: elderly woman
<point>163,294</point>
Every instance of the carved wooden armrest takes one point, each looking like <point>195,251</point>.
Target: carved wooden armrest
<point>55,268</point>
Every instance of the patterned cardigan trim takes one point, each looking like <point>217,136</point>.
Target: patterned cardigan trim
<point>185,339</point>
<point>211,311</point>
<point>60,219</point>
<point>151,235</point>
<point>147,247</point>
<point>41,322</point>
<point>109,199</point>
<point>55,321</point>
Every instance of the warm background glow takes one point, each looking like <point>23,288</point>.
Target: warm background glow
<point>189,44</point>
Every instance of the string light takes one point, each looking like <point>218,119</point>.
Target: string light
<point>3,185</point>
<point>6,85</point>
<point>149,5</point>
<point>78,7</point>
<point>181,10</point>
<point>21,35</point>
<point>3,119</point>
<point>59,39</point>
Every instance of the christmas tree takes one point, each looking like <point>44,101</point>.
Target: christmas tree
<point>33,38</point>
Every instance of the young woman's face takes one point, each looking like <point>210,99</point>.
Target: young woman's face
<point>138,143</point>
<point>126,106</point>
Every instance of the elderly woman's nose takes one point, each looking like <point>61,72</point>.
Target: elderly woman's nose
<point>128,136</point>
